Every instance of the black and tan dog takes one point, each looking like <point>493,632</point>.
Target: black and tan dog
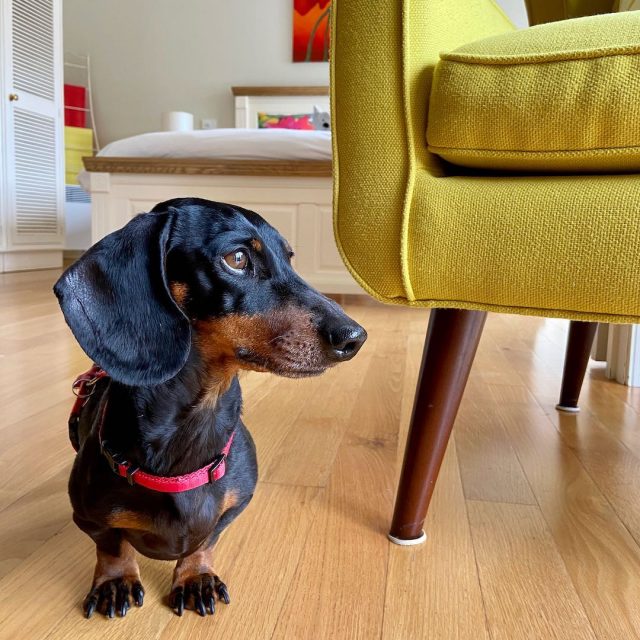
<point>171,307</point>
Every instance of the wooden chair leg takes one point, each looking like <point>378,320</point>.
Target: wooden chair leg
<point>450,346</point>
<point>581,336</point>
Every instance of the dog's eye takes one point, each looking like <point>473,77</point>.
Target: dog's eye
<point>237,260</point>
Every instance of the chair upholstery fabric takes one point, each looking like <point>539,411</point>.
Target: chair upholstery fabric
<point>561,97</point>
<point>414,230</point>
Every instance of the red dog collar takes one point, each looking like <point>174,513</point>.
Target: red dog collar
<point>83,387</point>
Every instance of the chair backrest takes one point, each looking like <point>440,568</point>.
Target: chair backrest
<point>540,11</point>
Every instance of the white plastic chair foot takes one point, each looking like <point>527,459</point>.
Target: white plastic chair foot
<point>407,543</point>
<point>564,409</point>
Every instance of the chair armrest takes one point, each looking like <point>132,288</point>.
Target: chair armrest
<point>382,60</point>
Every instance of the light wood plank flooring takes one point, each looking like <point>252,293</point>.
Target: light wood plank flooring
<point>534,530</point>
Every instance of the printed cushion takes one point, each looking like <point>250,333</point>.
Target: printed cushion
<point>297,121</point>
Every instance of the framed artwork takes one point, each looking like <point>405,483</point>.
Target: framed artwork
<point>311,20</point>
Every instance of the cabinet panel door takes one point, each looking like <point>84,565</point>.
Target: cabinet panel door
<point>35,170</point>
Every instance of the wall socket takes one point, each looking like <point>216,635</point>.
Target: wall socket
<point>208,123</point>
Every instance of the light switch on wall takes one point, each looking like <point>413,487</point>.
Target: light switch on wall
<point>208,123</point>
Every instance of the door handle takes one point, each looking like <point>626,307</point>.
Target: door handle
<point>14,97</point>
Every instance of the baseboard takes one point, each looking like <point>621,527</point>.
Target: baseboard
<point>623,361</point>
<point>601,343</point>
<point>361,299</point>
<point>335,284</point>
<point>30,260</point>
<point>634,357</point>
<point>71,255</point>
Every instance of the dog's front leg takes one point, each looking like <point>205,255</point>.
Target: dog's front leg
<point>194,578</point>
<point>116,579</point>
<point>195,581</point>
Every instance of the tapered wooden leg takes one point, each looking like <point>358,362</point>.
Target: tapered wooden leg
<point>581,336</point>
<point>452,340</point>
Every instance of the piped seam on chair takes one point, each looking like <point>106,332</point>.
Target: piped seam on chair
<point>438,149</point>
<point>538,58</point>
<point>409,187</point>
<point>596,155</point>
<point>541,312</point>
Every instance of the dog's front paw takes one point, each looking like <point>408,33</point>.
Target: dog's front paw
<point>114,596</point>
<point>198,591</point>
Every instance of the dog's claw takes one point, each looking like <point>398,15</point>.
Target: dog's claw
<point>113,597</point>
<point>222,591</point>
<point>202,588</point>
<point>122,599</point>
<point>196,590</point>
<point>90,603</point>
<point>137,591</point>
<point>177,600</point>
<point>207,595</point>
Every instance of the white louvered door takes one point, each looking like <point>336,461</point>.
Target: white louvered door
<point>34,158</point>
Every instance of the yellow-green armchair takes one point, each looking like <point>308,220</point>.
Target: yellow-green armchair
<point>477,169</point>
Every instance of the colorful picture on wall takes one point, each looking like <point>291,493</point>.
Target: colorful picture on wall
<point>311,20</point>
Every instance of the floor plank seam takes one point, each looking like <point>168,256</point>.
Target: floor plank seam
<point>595,483</point>
<point>33,552</point>
<point>292,485</point>
<point>625,401</point>
<point>386,588</point>
<point>295,572</point>
<point>611,433</point>
<point>576,454</point>
<point>26,493</point>
<point>62,620</point>
<point>506,502</point>
<point>473,547</point>
<point>544,516</point>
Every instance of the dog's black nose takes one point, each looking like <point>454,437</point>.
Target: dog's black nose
<point>345,341</point>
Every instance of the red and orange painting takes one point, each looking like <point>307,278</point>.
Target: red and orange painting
<point>311,19</point>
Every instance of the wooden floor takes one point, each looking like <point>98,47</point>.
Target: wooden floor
<point>534,531</point>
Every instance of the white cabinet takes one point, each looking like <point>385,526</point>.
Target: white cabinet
<point>299,207</point>
<point>31,135</point>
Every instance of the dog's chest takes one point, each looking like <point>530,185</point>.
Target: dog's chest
<point>170,533</point>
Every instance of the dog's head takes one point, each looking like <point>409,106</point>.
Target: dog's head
<point>204,275</point>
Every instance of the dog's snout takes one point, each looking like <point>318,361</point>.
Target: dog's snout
<point>345,341</point>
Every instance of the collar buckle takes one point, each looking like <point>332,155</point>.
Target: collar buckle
<point>115,460</point>
<point>217,461</point>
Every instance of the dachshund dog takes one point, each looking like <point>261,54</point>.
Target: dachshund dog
<point>170,308</point>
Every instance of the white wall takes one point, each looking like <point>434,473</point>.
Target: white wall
<point>150,56</point>
<point>77,226</point>
<point>516,11</point>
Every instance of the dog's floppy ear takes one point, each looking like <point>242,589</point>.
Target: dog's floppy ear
<point>116,300</point>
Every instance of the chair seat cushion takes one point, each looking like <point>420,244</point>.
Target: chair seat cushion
<point>561,97</point>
